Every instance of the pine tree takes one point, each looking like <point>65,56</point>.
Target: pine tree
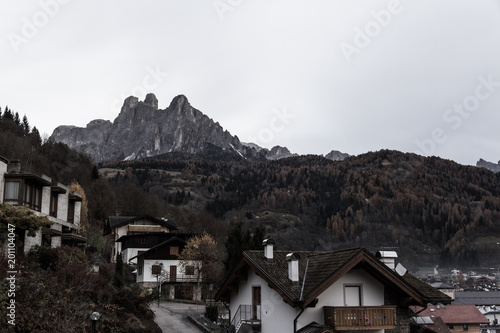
<point>35,138</point>
<point>118,279</point>
<point>26,126</point>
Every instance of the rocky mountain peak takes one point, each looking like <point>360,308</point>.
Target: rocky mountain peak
<point>278,152</point>
<point>336,155</point>
<point>179,103</point>
<point>130,102</point>
<point>151,100</point>
<point>140,131</point>
<point>488,165</point>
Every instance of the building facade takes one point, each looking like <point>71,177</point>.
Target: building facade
<point>45,197</point>
<point>344,290</point>
<point>132,235</point>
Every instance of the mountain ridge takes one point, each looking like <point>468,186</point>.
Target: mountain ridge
<point>143,130</point>
<point>488,165</point>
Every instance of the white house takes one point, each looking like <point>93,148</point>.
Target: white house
<point>132,235</point>
<point>43,196</point>
<point>160,265</point>
<point>344,290</point>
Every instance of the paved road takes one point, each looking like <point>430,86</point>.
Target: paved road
<point>172,317</point>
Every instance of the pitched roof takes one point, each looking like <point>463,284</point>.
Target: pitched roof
<point>156,247</point>
<point>429,293</point>
<point>477,297</point>
<point>454,314</point>
<point>314,327</point>
<point>118,221</point>
<point>319,270</point>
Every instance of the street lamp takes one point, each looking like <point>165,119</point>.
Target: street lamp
<point>95,317</point>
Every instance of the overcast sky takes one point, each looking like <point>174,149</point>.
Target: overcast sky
<point>314,76</point>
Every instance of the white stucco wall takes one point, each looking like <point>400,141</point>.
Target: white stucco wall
<point>372,294</point>
<point>147,276</point>
<point>62,204</point>
<point>3,171</point>
<point>278,316</point>
<point>275,313</point>
<point>29,242</point>
<point>45,206</point>
<point>131,253</point>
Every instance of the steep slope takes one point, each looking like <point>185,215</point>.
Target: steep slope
<point>142,130</point>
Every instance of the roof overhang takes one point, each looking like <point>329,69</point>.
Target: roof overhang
<point>73,237</point>
<point>57,189</point>
<point>32,177</point>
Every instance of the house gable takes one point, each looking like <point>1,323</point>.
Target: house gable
<point>115,222</point>
<point>319,270</point>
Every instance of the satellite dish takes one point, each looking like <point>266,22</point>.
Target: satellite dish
<point>400,269</point>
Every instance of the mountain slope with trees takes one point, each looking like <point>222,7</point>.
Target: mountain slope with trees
<point>433,210</point>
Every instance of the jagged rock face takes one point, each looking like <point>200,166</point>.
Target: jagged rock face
<point>336,155</point>
<point>488,165</point>
<point>278,152</point>
<point>142,130</point>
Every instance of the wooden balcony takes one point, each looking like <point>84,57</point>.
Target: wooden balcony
<point>360,317</point>
<point>144,228</point>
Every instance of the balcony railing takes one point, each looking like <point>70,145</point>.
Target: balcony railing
<point>144,228</point>
<point>246,314</point>
<point>361,317</point>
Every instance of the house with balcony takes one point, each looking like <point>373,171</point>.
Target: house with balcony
<point>160,265</point>
<point>132,235</point>
<point>44,196</point>
<point>314,292</point>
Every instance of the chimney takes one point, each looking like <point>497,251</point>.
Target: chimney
<point>268,248</point>
<point>14,166</point>
<point>293,267</point>
<point>388,258</point>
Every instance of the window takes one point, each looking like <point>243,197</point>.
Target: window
<point>12,193</point>
<point>352,295</point>
<point>53,204</point>
<point>71,211</point>
<point>466,327</point>
<point>450,326</point>
<point>33,196</point>
<point>143,240</point>
<point>189,270</point>
<point>174,250</point>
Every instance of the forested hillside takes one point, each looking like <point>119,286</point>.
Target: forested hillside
<point>434,210</point>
